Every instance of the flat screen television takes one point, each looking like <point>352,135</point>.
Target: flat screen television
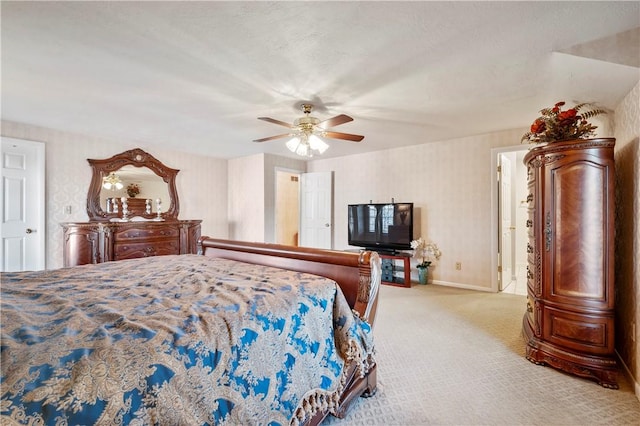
<point>381,227</point>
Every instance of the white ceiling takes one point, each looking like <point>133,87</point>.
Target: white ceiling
<point>194,76</point>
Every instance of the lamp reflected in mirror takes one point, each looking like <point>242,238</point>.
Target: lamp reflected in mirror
<point>112,182</point>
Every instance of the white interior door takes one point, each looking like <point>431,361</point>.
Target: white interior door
<point>505,223</point>
<point>22,199</point>
<point>316,207</point>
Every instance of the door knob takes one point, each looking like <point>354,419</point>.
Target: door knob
<point>29,230</point>
<point>327,225</point>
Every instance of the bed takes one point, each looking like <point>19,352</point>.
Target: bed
<point>241,333</point>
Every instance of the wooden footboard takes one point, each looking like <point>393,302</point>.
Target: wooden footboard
<point>357,274</point>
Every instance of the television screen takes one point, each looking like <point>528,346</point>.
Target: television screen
<point>381,226</point>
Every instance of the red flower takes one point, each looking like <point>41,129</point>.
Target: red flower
<point>556,125</point>
<point>538,126</point>
<point>567,115</point>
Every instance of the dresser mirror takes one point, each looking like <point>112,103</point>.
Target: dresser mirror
<point>136,180</point>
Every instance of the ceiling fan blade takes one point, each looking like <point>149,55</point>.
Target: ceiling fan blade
<point>284,135</point>
<point>334,121</point>
<point>274,121</point>
<point>345,136</point>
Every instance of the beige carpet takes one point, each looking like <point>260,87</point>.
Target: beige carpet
<point>456,357</point>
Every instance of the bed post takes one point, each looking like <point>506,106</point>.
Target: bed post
<point>369,284</point>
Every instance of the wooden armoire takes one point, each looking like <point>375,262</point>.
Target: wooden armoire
<point>569,323</point>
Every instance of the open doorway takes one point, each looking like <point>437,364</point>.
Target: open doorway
<point>304,208</point>
<point>509,232</point>
<point>287,206</point>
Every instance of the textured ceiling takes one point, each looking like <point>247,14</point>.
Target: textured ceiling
<point>194,76</point>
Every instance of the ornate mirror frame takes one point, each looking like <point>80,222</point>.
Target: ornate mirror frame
<point>138,158</point>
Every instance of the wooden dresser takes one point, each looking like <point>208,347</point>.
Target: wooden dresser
<point>97,242</point>
<point>569,323</point>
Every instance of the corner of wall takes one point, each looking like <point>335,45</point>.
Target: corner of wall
<point>627,158</point>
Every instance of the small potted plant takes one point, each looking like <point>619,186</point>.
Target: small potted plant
<point>556,125</point>
<point>426,253</point>
<point>132,190</point>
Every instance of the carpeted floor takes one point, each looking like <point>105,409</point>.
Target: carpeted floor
<point>456,357</point>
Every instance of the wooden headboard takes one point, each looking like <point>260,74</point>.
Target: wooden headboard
<point>357,274</point>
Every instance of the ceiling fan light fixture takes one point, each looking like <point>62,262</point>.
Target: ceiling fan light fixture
<point>307,132</point>
<point>292,144</point>
<point>303,150</point>
<point>304,145</point>
<point>317,144</point>
<point>299,146</point>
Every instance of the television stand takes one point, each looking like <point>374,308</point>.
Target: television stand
<point>388,252</point>
<point>396,268</point>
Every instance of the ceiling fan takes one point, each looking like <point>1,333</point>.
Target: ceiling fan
<point>306,132</point>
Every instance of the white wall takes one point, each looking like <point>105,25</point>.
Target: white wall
<point>449,183</point>
<point>201,182</point>
<point>246,208</point>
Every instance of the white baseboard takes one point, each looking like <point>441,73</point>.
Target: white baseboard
<point>461,285</point>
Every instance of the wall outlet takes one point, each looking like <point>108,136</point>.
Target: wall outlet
<point>458,266</point>
<point>67,209</point>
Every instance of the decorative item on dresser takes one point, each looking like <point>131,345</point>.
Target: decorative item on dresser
<point>128,228</point>
<point>569,323</point>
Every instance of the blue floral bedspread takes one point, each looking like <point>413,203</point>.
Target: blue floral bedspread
<point>174,340</point>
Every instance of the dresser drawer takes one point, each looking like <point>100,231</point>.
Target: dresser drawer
<point>586,333</point>
<point>147,232</point>
<point>145,249</point>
